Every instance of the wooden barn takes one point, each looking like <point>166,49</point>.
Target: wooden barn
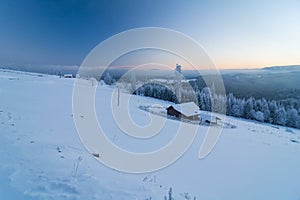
<point>188,111</point>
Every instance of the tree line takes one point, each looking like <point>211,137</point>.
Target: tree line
<point>279,112</point>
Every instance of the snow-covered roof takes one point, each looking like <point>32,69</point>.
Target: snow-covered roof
<point>187,109</point>
<point>209,117</point>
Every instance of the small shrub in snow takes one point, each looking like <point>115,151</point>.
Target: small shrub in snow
<point>76,165</point>
<point>289,130</point>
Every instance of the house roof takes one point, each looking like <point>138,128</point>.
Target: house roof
<point>209,117</point>
<point>188,109</point>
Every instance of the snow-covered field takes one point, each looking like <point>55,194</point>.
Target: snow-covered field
<point>42,157</point>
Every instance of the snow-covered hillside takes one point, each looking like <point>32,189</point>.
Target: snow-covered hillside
<point>42,157</point>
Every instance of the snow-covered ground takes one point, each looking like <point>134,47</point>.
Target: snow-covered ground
<point>42,157</point>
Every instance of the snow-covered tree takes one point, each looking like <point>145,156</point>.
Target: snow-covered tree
<point>238,107</point>
<point>265,109</point>
<point>280,116</point>
<point>273,108</point>
<point>249,112</point>
<point>259,116</point>
<point>207,98</point>
<point>292,118</point>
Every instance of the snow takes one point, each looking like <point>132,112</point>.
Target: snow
<point>42,157</point>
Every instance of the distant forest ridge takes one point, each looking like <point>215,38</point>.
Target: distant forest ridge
<point>276,82</point>
<point>286,67</point>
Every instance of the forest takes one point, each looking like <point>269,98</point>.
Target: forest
<point>283,112</point>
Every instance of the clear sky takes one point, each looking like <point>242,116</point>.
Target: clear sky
<point>236,34</point>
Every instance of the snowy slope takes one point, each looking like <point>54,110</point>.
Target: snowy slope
<point>42,157</point>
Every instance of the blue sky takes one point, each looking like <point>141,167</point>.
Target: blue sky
<point>236,34</point>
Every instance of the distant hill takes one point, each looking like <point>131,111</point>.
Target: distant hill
<point>276,82</point>
<point>285,68</point>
